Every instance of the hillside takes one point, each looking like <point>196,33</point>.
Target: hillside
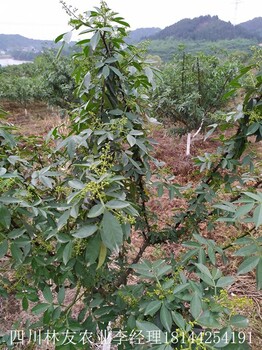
<point>18,42</point>
<point>253,26</point>
<point>142,33</point>
<point>167,48</point>
<point>200,33</point>
<point>209,28</point>
<point>22,48</point>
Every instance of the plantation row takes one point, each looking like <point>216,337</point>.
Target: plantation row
<point>71,205</point>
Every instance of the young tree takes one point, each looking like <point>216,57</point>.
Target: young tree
<point>191,90</point>
<point>67,217</point>
<point>57,82</point>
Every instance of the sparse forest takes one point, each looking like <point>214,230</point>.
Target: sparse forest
<point>112,236</point>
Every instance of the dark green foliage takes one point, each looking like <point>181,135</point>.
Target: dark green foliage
<point>20,83</point>
<point>66,215</point>
<point>46,79</point>
<point>168,48</point>
<point>253,26</point>
<point>191,89</point>
<point>58,84</point>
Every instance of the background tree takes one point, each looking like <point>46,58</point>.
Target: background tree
<point>46,79</point>
<point>191,90</point>
<point>57,83</point>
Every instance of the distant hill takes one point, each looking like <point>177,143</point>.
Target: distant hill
<point>16,42</point>
<point>22,48</point>
<point>142,33</point>
<point>209,28</point>
<point>253,26</point>
<point>194,33</point>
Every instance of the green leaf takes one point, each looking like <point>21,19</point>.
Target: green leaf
<point>61,295</point>
<point>62,221</point>
<point>142,146</point>
<point>9,200</point>
<point>116,111</point>
<point>25,303</point>
<point>96,210</point>
<point>117,72</point>
<point>67,37</point>
<point>40,308</point>
<point>92,249</point>
<point>120,21</point>
<point>196,306</point>
<point>200,239</point>
<point>230,207</point>
<point>259,274</point>
<point>247,250</point>
<point>252,128</point>
<point>59,37</point>
<point>144,268</point>
<point>153,307</point>
<point>8,138</point>
<point>116,204</point>
<point>201,256</point>
<point>5,217</point>
<point>257,216</point>
<point>56,313</point>
<point>16,233</point>
<point>166,318</point>
<point>85,231</point>
<point>243,240</point>
<point>48,294</point>
<point>211,255</point>
<point>216,273</point>
<point>102,255</point>
<point>239,321</point>
<point>244,209</point>
<point>149,74</point>
<point>255,196</point>
<point>131,140</point>
<point>2,171</point>
<point>105,71</point>
<point>136,133</point>
<point>188,255</point>
<point>111,232</point>
<point>191,244</point>
<point>206,279</point>
<point>225,281</point>
<point>163,270</point>
<point>67,252</point>
<point>179,320</point>
<point>207,319</point>
<point>16,253</point>
<point>204,270</point>
<point>248,265</point>
<point>76,184</point>
<point>3,248</point>
<point>95,40</point>
<point>181,288</point>
<point>87,80</point>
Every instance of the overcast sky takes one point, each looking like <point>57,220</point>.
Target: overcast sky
<point>45,19</point>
